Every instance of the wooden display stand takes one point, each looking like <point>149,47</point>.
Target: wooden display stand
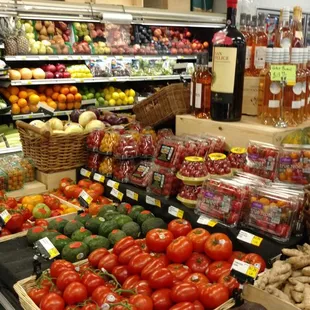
<point>51,180</point>
<point>30,188</point>
<point>236,133</point>
<point>138,3</point>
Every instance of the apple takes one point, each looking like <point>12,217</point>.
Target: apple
<point>174,51</point>
<point>186,51</point>
<point>205,44</point>
<point>188,34</point>
<point>180,51</point>
<point>51,68</point>
<point>157,33</point>
<point>199,45</point>
<point>66,75</point>
<point>59,75</point>
<point>181,45</point>
<point>60,67</point>
<point>49,75</point>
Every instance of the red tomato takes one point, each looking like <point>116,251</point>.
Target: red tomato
<point>218,246</point>
<point>162,299</point>
<point>217,269</point>
<point>142,287</point>
<point>142,302</point>
<point>196,278</point>
<point>198,262</point>
<point>52,301</point>
<point>15,223</point>
<point>25,212</point>
<point>161,257</point>
<point>183,306</point>
<point>142,244</point>
<point>184,292</point>
<point>69,191</point>
<point>46,282</point>
<point>41,222</point>
<point>11,203</point>
<point>104,200</point>
<point>179,227</point>
<point>97,187</point>
<point>99,294</point>
<point>230,282</point>
<point>26,226</point>
<point>65,182</point>
<point>96,255</point>
<point>54,289</point>
<point>91,281</point>
<point>158,239</point>
<point>92,193</point>
<point>150,267</point>
<point>179,272</point>
<point>58,266</point>
<point>160,278</point>
<point>138,262</point>
<point>128,254</point>
<point>255,260</point>
<point>121,273</point>
<point>198,305</point>
<point>123,244</point>
<point>131,282</point>
<point>74,293</point>
<point>213,295</point>
<point>198,236</point>
<point>5,232</point>
<point>90,306</point>
<point>36,294</point>
<point>52,202</point>
<point>55,213</point>
<point>67,277</point>
<point>236,255</point>
<point>85,183</point>
<point>108,262</point>
<point>180,249</point>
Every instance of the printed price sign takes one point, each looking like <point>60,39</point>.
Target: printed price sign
<point>85,199</point>
<point>117,194</point>
<point>46,248</point>
<point>204,220</point>
<point>113,184</point>
<point>45,109</point>
<point>176,212</point>
<point>86,173</point>
<point>152,201</point>
<point>249,238</point>
<point>99,177</point>
<point>132,195</point>
<point>283,71</point>
<point>4,217</point>
<point>243,271</point>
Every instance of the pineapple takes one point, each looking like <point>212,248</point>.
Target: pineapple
<point>7,33</point>
<point>22,43</point>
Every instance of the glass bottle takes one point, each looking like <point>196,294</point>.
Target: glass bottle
<point>248,39</point>
<point>298,37</point>
<point>262,102</point>
<point>193,83</point>
<point>305,90</point>
<point>308,84</point>
<point>259,46</point>
<point>203,89</point>
<point>229,49</point>
<point>248,24</point>
<point>271,110</point>
<point>276,31</point>
<point>284,36</point>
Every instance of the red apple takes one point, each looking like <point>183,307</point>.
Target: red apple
<point>188,34</point>
<point>51,68</point>
<point>199,45</point>
<point>174,51</point>
<point>205,44</point>
<point>66,75</point>
<point>49,75</point>
<point>59,75</point>
<point>157,33</point>
<point>60,67</point>
<point>180,51</point>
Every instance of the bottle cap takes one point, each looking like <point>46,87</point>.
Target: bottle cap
<point>199,59</point>
<point>276,55</point>
<point>248,19</point>
<point>261,19</point>
<point>254,21</point>
<point>204,58</point>
<point>232,3</point>
<point>242,19</point>
<point>268,54</point>
<point>281,58</point>
<point>286,14</point>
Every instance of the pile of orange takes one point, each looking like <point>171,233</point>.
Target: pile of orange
<point>25,100</point>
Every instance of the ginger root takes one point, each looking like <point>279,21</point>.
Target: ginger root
<point>277,293</point>
<point>306,271</point>
<point>299,262</point>
<point>292,252</point>
<point>297,296</point>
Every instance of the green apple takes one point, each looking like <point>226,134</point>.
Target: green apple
<point>101,101</point>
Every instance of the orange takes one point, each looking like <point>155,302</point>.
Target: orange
<point>49,92</point>
<point>13,99</point>
<point>55,96</point>
<point>49,99</point>
<point>22,102</point>
<point>70,98</point>
<point>70,106</point>
<point>13,90</point>
<point>15,108</point>
<point>23,88</point>
<point>23,94</point>
<point>56,88</point>
<point>2,89</point>
<point>31,91</point>
<point>33,99</point>
<point>6,94</point>
<point>78,97</point>
<point>64,90</point>
<point>77,105</point>
<point>42,88</point>
<point>62,106</point>
<point>73,90</point>
<point>42,98</point>
<point>25,110</point>
<point>52,104</point>
<point>62,98</point>
<point>33,108</point>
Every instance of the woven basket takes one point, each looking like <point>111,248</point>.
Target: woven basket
<point>164,105</point>
<point>52,153</point>
<point>23,286</point>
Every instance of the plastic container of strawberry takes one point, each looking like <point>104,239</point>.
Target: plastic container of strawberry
<point>163,182</point>
<point>193,167</point>
<point>218,164</point>
<point>147,146</point>
<point>262,159</point>
<point>237,157</point>
<point>203,145</point>
<point>106,166</point>
<point>217,143</point>
<point>93,161</point>
<point>222,200</point>
<point>122,169</point>
<point>163,133</point>
<point>94,139</point>
<point>127,147</point>
<point>148,130</point>
<point>190,192</point>
<point>141,174</point>
<point>135,126</point>
<point>272,212</point>
<point>108,142</point>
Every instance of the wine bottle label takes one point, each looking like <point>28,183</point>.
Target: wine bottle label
<point>275,88</point>
<point>192,92</point>
<point>297,89</point>
<point>286,43</point>
<point>273,104</point>
<point>198,96</point>
<point>248,57</point>
<point>224,69</point>
<point>302,103</point>
<point>260,57</point>
<point>304,87</point>
<point>296,104</point>
<point>298,35</point>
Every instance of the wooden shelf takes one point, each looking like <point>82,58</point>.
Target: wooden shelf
<point>30,188</point>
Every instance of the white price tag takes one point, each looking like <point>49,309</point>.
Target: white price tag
<point>176,212</point>
<point>204,220</point>
<point>249,238</point>
<point>113,184</point>
<point>86,173</point>
<point>43,107</point>
<point>5,215</point>
<point>88,199</point>
<point>152,201</point>
<point>88,101</point>
<point>49,247</point>
<point>132,195</point>
<point>245,268</point>
<point>117,194</point>
<point>99,177</point>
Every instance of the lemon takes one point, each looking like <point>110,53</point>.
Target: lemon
<point>119,102</point>
<point>125,100</point>
<point>106,91</point>
<point>107,97</point>
<point>127,92</point>
<point>132,93</point>
<point>122,95</point>
<point>112,102</point>
<point>131,100</point>
<point>115,95</point>
<point>111,89</point>
<point>118,90</point>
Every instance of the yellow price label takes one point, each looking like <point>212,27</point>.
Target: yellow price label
<point>135,196</point>
<point>53,253</point>
<point>30,116</point>
<point>157,203</point>
<point>212,223</point>
<point>5,216</point>
<point>117,194</point>
<point>113,184</point>
<point>252,271</point>
<point>287,72</point>
<point>257,241</point>
<point>180,214</point>
<point>29,83</point>
<point>85,172</point>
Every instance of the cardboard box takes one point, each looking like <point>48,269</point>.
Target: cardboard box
<point>171,5</point>
<point>250,95</point>
<point>30,188</point>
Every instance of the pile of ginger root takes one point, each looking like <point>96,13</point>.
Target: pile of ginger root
<point>289,279</point>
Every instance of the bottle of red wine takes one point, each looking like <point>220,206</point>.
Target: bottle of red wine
<point>229,50</point>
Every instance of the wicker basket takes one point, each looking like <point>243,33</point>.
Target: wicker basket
<point>164,105</point>
<point>52,153</point>
<point>23,286</point>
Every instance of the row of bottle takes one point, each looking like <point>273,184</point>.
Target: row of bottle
<point>274,96</point>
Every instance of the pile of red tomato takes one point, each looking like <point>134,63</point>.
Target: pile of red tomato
<point>179,268</point>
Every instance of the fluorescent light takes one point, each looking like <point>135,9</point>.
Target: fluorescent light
<point>116,18</point>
